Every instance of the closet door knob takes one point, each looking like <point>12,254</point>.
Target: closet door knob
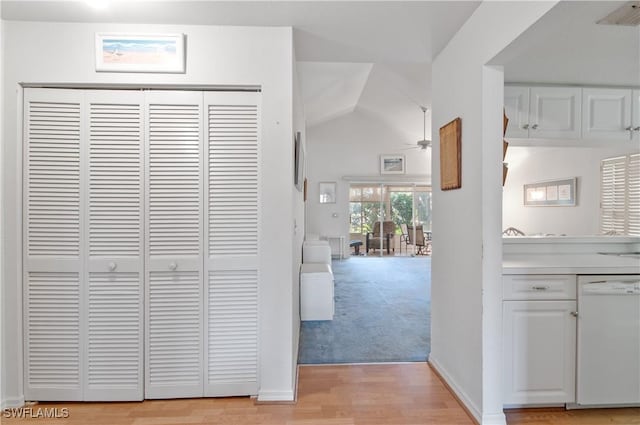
<point>637,128</point>
<point>535,126</point>
<point>525,127</point>
<point>173,266</point>
<point>112,266</point>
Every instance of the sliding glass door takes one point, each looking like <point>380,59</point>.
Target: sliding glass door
<point>380,215</point>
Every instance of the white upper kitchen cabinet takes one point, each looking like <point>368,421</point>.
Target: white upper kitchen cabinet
<point>555,112</point>
<point>606,114</point>
<point>516,105</point>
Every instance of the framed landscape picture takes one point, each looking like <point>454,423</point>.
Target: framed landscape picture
<point>140,53</point>
<point>392,164</point>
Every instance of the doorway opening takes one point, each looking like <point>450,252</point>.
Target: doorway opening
<point>390,219</point>
<point>383,290</point>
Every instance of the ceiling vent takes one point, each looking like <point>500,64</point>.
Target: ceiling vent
<point>627,15</point>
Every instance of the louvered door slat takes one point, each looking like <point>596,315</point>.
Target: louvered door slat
<point>232,333</point>
<point>53,176</point>
<point>174,228</point>
<point>232,243</point>
<point>53,336</point>
<point>114,342</point>
<point>52,249</point>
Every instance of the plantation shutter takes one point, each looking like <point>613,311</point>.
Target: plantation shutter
<point>53,239</point>
<point>114,349</point>
<point>634,195</point>
<point>620,195</point>
<point>232,243</point>
<point>612,193</point>
<point>174,329</point>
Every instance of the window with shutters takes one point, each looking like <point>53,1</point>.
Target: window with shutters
<point>620,195</point>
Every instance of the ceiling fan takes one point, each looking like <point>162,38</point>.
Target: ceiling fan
<point>422,144</point>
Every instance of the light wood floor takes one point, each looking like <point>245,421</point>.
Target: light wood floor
<point>409,394</point>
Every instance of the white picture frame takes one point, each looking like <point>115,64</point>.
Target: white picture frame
<point>327,192</point>
<point>126,52</point>
<point>393,164</point>
<point>551,193</point>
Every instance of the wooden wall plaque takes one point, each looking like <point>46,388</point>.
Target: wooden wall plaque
<point>451,155</point>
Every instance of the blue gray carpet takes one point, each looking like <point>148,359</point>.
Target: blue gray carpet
<point>382,313</point>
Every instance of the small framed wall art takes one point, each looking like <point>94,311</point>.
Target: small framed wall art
<point>392,164</point>
<point>556,193</point>
<point>140,53</point>
<point>327,192</point>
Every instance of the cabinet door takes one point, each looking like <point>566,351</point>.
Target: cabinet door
<point>539,352</point>
<point>635,119</point>
<point>555,112</point>
<point>606,114</point>
<point>53,234</point>
<point>114,347</point>
<point>516,105</point>
<point>174,290</point>
<point>232,243</point>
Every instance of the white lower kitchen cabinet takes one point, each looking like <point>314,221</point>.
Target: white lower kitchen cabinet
<point>539,352</point>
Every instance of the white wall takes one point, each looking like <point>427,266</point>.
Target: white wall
<point>64,53</point>
<point>535,164</point>
<point>467,255</point>
<point>298,224</point>
<point>2,209</point>
<point>351,146</point>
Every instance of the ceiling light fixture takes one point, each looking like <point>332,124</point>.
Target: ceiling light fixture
<point>424,143</point>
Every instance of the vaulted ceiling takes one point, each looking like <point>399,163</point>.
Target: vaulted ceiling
<point>373,55</point>
<point>376,55</point>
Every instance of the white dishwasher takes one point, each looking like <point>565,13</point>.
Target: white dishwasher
<point>608,352</point>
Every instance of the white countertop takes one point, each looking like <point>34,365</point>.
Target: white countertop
<point>569,264</point>
<point>570,239</point>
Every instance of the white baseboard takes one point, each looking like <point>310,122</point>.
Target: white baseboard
<point>276,395</point>
<point>494,419</point>
<point>12,402</point>
<point>462,396</point>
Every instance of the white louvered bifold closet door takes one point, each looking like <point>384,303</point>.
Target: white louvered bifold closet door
<point>174,285</point>
<point>232,243</point>
<point>53,244</point>
<point>114,282</point>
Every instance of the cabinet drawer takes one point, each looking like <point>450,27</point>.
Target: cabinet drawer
<point>539,287</point>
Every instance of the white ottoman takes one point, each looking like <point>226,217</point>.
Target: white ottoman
<point>316,292</point>
<point>316,252</point>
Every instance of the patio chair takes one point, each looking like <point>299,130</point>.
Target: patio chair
<point>373,238</point>
<point>422,242</point>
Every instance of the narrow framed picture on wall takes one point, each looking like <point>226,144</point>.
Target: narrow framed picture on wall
<point>551,193</point>
<point>451,155</point>
<point>298,168</point>
<point>117,52</point>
